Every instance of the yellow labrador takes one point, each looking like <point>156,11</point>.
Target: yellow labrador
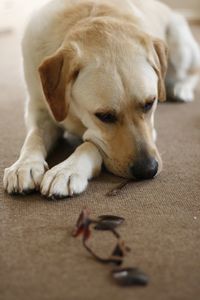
<point>96,69</point>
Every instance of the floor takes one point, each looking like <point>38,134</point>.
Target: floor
<point>39,259</point>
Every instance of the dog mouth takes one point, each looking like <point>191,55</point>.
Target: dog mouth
<point>110,164</point>
<point>145,168</point>
<point>100,145</point>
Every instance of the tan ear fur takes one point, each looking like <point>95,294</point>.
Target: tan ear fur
<point>161,67</point>
<point>56,72</point>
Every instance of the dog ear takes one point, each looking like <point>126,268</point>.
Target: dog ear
<point>57,73</point>
<point>161,66</point>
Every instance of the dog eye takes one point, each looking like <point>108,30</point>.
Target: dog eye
<point>148,106</point>
<point>106,117</point>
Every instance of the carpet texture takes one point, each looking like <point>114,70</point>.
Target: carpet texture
<point>39,259</point>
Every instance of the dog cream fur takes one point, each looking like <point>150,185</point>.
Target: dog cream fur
<point>83,57</point>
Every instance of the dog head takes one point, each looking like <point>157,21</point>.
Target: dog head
<point>110,75</point>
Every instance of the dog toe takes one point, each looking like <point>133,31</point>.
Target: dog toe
<point>77,184</point>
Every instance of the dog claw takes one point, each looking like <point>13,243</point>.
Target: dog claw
<point>57,197</point>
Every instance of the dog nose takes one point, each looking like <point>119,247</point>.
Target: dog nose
<point>145,168</point>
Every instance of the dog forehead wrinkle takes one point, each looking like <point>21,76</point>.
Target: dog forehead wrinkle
<point>141,82</point>
<point>98,87</point>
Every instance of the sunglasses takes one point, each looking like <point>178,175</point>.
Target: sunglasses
<point>85,226</point>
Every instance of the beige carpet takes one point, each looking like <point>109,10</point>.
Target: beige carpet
<point>39,260</point>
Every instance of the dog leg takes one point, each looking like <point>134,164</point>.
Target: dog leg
<point>26,174</point>
<point>71,176</point>
<point>184,60</point>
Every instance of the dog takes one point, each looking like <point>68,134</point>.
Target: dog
<point>97,69</point>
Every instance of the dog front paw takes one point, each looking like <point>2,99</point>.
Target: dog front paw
<point>24,176</point>
<point>62,181</point>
